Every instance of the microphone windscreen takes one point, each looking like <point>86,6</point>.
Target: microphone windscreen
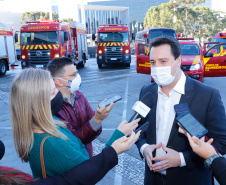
<point>2,149</point>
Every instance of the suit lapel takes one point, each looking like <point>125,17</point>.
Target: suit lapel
<point>152,115</point>
<point>185,98</point>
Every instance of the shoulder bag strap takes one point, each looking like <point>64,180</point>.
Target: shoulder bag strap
<point>42,158</point>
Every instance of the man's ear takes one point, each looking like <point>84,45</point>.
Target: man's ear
<point>58,82</point>
<point>179,61</point>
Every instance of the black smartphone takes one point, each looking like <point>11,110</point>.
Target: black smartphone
<point>192,125</point>
<point>109,101</point>
<point>143,128</point>
<point>181,109</point>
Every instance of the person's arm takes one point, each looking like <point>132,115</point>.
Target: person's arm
<point>219,169</point>
<point>216,122</point>
<point>89,172</point>
<point>61,155</point>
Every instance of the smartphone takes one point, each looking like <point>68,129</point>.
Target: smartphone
<point>181,109</point>
<point>143,128</point>
<point>109,101</point>
<point>192,125</point>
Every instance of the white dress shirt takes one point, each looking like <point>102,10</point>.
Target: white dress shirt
<point>165,115</point>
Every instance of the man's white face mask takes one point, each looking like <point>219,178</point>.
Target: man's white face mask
<point>162,75</point>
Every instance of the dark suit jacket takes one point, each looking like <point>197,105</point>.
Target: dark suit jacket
<point>87,173</point>
<point>206,106</point>
<point>219,170</point>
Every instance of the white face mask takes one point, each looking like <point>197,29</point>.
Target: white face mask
<point>162,75</point>
<point>76,83</point>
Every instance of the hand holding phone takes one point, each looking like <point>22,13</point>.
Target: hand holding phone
<point>109,101</point>
<point>192,125</point>
<point>143,128</point>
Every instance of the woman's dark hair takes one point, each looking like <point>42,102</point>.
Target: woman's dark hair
<point>174,44</point>
<point>15,177</point>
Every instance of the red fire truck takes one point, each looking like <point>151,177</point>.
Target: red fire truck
<point>220,37</point>
<point>113,45</point>
<point>142,41</point>
<point>7,51</point>
<point>41,41</point>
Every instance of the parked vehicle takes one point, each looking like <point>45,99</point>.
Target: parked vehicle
<point>113,45</point>
<point>7,51</point>
<point>41,41</point>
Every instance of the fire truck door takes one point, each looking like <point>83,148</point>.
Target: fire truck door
<point>3,52</point>
<point>143,61</point>
<point>79,42</point>
<point>215,61</point>
<point>11,49</point>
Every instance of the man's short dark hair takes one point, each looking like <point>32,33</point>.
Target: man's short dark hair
<point>56,66</point>
<point>174,44</point>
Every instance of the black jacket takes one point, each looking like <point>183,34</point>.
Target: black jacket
<point>206,106</point>
<point>219,170</point>
<point>87,173</point>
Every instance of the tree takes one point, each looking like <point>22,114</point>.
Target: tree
<point>67,20</point>
<point>186,6</point>
<point>152,18</point>
<point>34,16</point>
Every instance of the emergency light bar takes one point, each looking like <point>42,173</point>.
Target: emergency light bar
<point>223,34</point>
<point>43,21</point>
<point>185,39</point>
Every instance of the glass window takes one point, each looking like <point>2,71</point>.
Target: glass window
<point>62,37</point>
<point>222,40</point>
<point>190,49</point>
<point>161,32</point>
<point>113,37</point>
<point>50,37</point>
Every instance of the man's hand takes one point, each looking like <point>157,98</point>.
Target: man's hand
<point>127,128</point>
<point>170,160</point>
<point>102,113</point>
<point>148,153</point>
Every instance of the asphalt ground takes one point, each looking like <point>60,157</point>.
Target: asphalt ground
<point>97,84</point>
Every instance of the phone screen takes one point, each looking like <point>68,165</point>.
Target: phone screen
<point>109,101</point>
<point>192,125</point>
<point>143,128</point>
<point>181,109</point>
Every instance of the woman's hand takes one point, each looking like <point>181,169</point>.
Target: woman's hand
<point>203,149</point>
<point>125,143</point>
<point>127,128</point>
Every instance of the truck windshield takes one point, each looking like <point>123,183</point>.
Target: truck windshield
<point>222,40</point>
<point>190,49</point>
<point>49,37</point>
<point>161,32</point>
<point>113,37</point>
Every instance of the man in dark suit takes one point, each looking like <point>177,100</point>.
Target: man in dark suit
<point>169,157</point>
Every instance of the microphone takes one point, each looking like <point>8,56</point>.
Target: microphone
<point>2,149</point>
<point>140,107</point>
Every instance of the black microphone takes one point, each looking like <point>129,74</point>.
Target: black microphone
<point>2,149</point>
<point>142,107</point>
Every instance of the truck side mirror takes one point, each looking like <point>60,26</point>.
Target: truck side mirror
<point>209,54</point>
<point>16,37</point>
<point>93,36</point>
<point>133,36</point>
<point>66,36</point>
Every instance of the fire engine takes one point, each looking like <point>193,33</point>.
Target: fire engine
<point>113,45</point>
<point>142,41</point>
<point>7,51</point>
<point>41,41</point>
<point>220,37</point>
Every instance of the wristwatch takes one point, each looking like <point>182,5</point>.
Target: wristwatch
<point>208,162</point>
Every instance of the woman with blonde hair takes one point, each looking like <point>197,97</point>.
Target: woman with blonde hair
<point>31,93</point>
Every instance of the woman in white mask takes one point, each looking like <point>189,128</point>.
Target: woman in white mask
<point>81,119</point>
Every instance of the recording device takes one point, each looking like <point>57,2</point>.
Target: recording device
<point>140,107</point>
<point>192,125</point>
<point>181,108</point>
<point>143,128</point>
<point>109,101</point>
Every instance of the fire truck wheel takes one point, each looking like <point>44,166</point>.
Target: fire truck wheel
<point>3,67</point>
<point>100,66</point>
